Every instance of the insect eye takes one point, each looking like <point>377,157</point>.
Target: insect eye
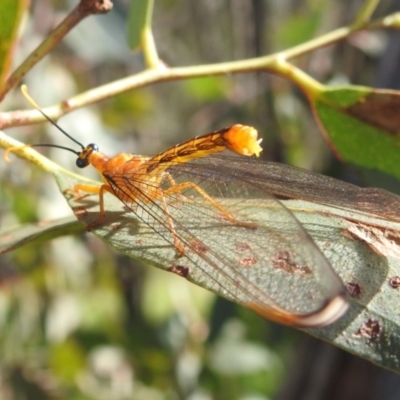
<point>82,162</point>
<point>93,146</point>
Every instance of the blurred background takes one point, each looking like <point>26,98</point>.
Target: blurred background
<point>78,321</point>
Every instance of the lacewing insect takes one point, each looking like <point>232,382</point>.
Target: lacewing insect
<point>198,201</point>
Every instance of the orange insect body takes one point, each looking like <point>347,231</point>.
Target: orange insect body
<point>237,138</point>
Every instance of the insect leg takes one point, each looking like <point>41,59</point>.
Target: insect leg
<point>93,189</point>
<point>172,227</point>
<point>172,182</point>
<point>177,188</point>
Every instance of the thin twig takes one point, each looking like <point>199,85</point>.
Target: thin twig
<point>81,11</point>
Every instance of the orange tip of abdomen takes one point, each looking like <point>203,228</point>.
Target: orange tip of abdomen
<point>243,140</point>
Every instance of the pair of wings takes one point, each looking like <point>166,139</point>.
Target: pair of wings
<point>263,259</point>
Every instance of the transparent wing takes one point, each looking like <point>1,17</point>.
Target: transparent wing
<point>288,181</point>
<point>262,259</point>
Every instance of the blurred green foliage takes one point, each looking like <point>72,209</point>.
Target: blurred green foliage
<point>79,322</point>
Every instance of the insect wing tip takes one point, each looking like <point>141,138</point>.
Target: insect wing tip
<point>330,312</point>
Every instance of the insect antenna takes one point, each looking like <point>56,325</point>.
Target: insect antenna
<point>56,146</point>
<point>24,90</point>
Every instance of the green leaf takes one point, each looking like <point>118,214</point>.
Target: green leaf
<point>67,359</point>
<point>139,19</point>
<point>360,244</point>
<point>11,13</point>
<point>299,27</point>
<point>205,89</point>
<point>367,258</point>
<point>362,125</point>
<point>13,238</point>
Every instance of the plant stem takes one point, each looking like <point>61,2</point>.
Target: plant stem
<point>365,13</point>
<point>148,44</point>
<point>149,49</point>
<point>27,153</point>
<point>81,11</point>
<point>270,63</point>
